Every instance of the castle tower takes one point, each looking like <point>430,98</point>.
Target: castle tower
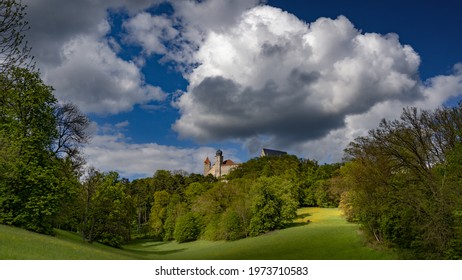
<point>207,166</point>
<point>218,163</point>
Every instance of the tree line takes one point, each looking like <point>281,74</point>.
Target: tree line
<point>175,205</point>
<point>402,182</point>
<point>260,195</point>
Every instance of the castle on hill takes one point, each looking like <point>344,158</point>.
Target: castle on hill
<point>223,167</point>
<point>220,167</point>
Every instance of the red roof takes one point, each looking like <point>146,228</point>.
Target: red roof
<point>228,162</point>
<point>207,161</point>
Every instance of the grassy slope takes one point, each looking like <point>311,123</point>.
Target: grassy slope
<point>17,243</point>
<point>327,236</point>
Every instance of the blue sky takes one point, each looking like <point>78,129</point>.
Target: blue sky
<point>167,83</point>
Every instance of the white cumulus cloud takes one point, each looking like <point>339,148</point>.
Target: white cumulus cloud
<point>92,76</point>
<point>272,76</point>
<point>75,56</point>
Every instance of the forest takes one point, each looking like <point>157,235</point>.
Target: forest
<point>261,195</point>
<point>401,182</point>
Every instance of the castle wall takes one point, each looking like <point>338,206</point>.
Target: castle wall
<point>225,169</point>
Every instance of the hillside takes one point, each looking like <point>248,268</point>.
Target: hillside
<point>326,236</point>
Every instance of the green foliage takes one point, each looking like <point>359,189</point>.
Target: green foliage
<point>38,187</point>
<point>227,214</point>
<point>159,212</point>
<point>274,205</point>
<point>108,209</point>
<point>165,180</point>
<point>403,182</point>
<point>175,209</point>
<point>194,190</point>
<point>232,225</point>
<point>286,165</point>
<point>316,184</point>
<point>454,250</point>
<point>243,207</point>
<point>30,188</point>
<point>186,228</point>
<point>141,191</point>
<point>153,219</point>
<point>259,196</point>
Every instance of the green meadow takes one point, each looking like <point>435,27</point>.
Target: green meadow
<point>317,233</point>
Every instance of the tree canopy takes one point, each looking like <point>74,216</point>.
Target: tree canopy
<point>403,182</point>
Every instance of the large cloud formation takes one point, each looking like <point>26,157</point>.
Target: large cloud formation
<point>271,79</point>
<point>256,74</point>
<point>273,75</point>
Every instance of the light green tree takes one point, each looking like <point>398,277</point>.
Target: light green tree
<point>159,212</point>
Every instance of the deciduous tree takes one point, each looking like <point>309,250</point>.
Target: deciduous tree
<point>14,51</point>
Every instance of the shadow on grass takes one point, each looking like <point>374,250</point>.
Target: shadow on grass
<point>146,247</point>
<point>148,253</point>
<point>303,216</point>
<point>300,220</point>
<point>146,243</point>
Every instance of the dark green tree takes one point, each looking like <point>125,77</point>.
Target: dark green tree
<point>274,205</point>
<point>141,191</point>
<point>30,188</point>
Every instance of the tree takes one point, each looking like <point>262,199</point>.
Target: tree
<point>108,209</point>
<point>30,188</point>
<point>72,132</point>
<point>402,181</point>
<point>91,183</point>
<point>175,209</point>
<point>186,228</point>
<point>267,167</point>
<point>142,194</point>
<point>164,180</point>
<point>274,205</point>
<point>159,212</point>
<point>14,51</point>
<point>38,188</point>
<point>315,183</point>
<point>194,190</point>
